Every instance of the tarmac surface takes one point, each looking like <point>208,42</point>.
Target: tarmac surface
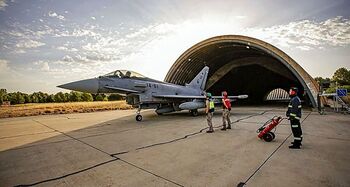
<point>112,149</point>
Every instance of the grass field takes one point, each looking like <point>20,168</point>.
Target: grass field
<point>60,108</point>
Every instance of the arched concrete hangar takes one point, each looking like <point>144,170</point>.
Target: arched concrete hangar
<point>243,65</point>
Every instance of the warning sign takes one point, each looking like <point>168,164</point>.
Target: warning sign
<point>342,92</point>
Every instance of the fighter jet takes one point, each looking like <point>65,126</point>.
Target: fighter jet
<point>145,93</point>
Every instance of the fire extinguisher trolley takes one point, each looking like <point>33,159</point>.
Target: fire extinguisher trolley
<point>265,131</point>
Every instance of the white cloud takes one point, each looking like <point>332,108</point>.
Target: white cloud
<point>63,48</point>
<point>3,4</point>
<point>304,48</point>
<point>67,58</point>
<point>43,65</point>
<point>29,44</point>
<point>19,51</point>
<point>241,17</point>
<point>54,14</point>
<point>306,33</point>
<point>4,65</point>
<point>76,33</point>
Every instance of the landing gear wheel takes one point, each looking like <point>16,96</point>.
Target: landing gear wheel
<point>268,137</point>
<point>273,135</point>
<point>138,117</point>
<point>194,112</point>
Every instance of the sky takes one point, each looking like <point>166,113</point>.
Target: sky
<point>45,43</point>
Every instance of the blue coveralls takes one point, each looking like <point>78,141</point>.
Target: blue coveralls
<point>294,114</point>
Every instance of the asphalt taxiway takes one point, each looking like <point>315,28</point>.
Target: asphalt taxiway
<point>112,149</point>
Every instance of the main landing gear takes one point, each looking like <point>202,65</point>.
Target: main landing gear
<point>194,112</point>
<point>138,114</point>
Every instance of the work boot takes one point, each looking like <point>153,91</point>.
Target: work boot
<point>294,146</point>
<point>229,127</point>
<point>223,128</point>
<point>210,131</point>
<point>294,143</point>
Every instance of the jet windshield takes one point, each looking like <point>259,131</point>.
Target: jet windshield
<point>124,74</point>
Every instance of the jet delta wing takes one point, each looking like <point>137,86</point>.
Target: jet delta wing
<point>143,92</point>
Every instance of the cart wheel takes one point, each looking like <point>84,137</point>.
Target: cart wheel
<point>273,135</point>
<point>268,137</point>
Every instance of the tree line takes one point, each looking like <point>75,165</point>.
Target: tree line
<point>60,97</point>
<point>340,79</point>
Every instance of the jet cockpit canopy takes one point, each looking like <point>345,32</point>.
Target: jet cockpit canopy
<point>124,74</point>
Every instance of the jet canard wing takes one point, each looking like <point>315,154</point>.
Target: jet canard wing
<point>121,90</point>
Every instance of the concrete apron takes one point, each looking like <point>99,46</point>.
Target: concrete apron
<point>112,149</point>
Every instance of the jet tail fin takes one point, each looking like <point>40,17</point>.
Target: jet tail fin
<point>200,80</point>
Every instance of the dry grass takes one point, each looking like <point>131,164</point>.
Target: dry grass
<point>60,108</point>
<point>346,99</point>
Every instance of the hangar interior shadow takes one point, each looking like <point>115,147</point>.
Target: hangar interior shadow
<point>253,80</point>
<point>238,69</point>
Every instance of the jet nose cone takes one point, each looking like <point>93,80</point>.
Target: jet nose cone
<point>88,85</point>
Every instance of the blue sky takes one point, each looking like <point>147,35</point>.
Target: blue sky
<point>44,43</point>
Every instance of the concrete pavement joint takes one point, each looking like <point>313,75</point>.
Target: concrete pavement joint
<point>150,172</point>
<point>83,137</point>
<point>188,135</point>
<point>241,184</point>
<point>80,171</point>
<point>26,135</point>
<point>116,158</point>
<point>67,175</point>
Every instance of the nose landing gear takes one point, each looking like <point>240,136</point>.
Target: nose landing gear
<point>138,114</point>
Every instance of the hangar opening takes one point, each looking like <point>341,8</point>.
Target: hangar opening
<point>243,65</point>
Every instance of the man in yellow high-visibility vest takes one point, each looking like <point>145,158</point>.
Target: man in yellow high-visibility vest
<point>209,110</point>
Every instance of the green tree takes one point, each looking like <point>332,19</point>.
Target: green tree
<point>16,98</point>
<point>66,97</point>
<point>99,97</point>
<point>74,96</point>
<point>34,98</point>
<point>115,97</point>
<point>59,97</point>
<point>105,98</point>
<point>50,98</point>
<point>12,98</point>
<point>20,98</point>
<point>27,98</point>
<point>321,80</point>
<point>342,76</point>
<point>3,93</point>
<point>86,97</point>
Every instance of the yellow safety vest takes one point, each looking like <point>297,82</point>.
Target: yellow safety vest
<point>211,104</point>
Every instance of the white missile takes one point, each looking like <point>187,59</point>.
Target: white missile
<point>192,105</point>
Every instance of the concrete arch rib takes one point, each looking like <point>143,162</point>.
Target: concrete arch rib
<point>218,51</point>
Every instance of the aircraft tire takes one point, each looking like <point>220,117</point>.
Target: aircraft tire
<point>194,112</point>
<point>138,117</point>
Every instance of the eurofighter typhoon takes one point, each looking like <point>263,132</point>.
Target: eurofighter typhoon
<point>145,93</point>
